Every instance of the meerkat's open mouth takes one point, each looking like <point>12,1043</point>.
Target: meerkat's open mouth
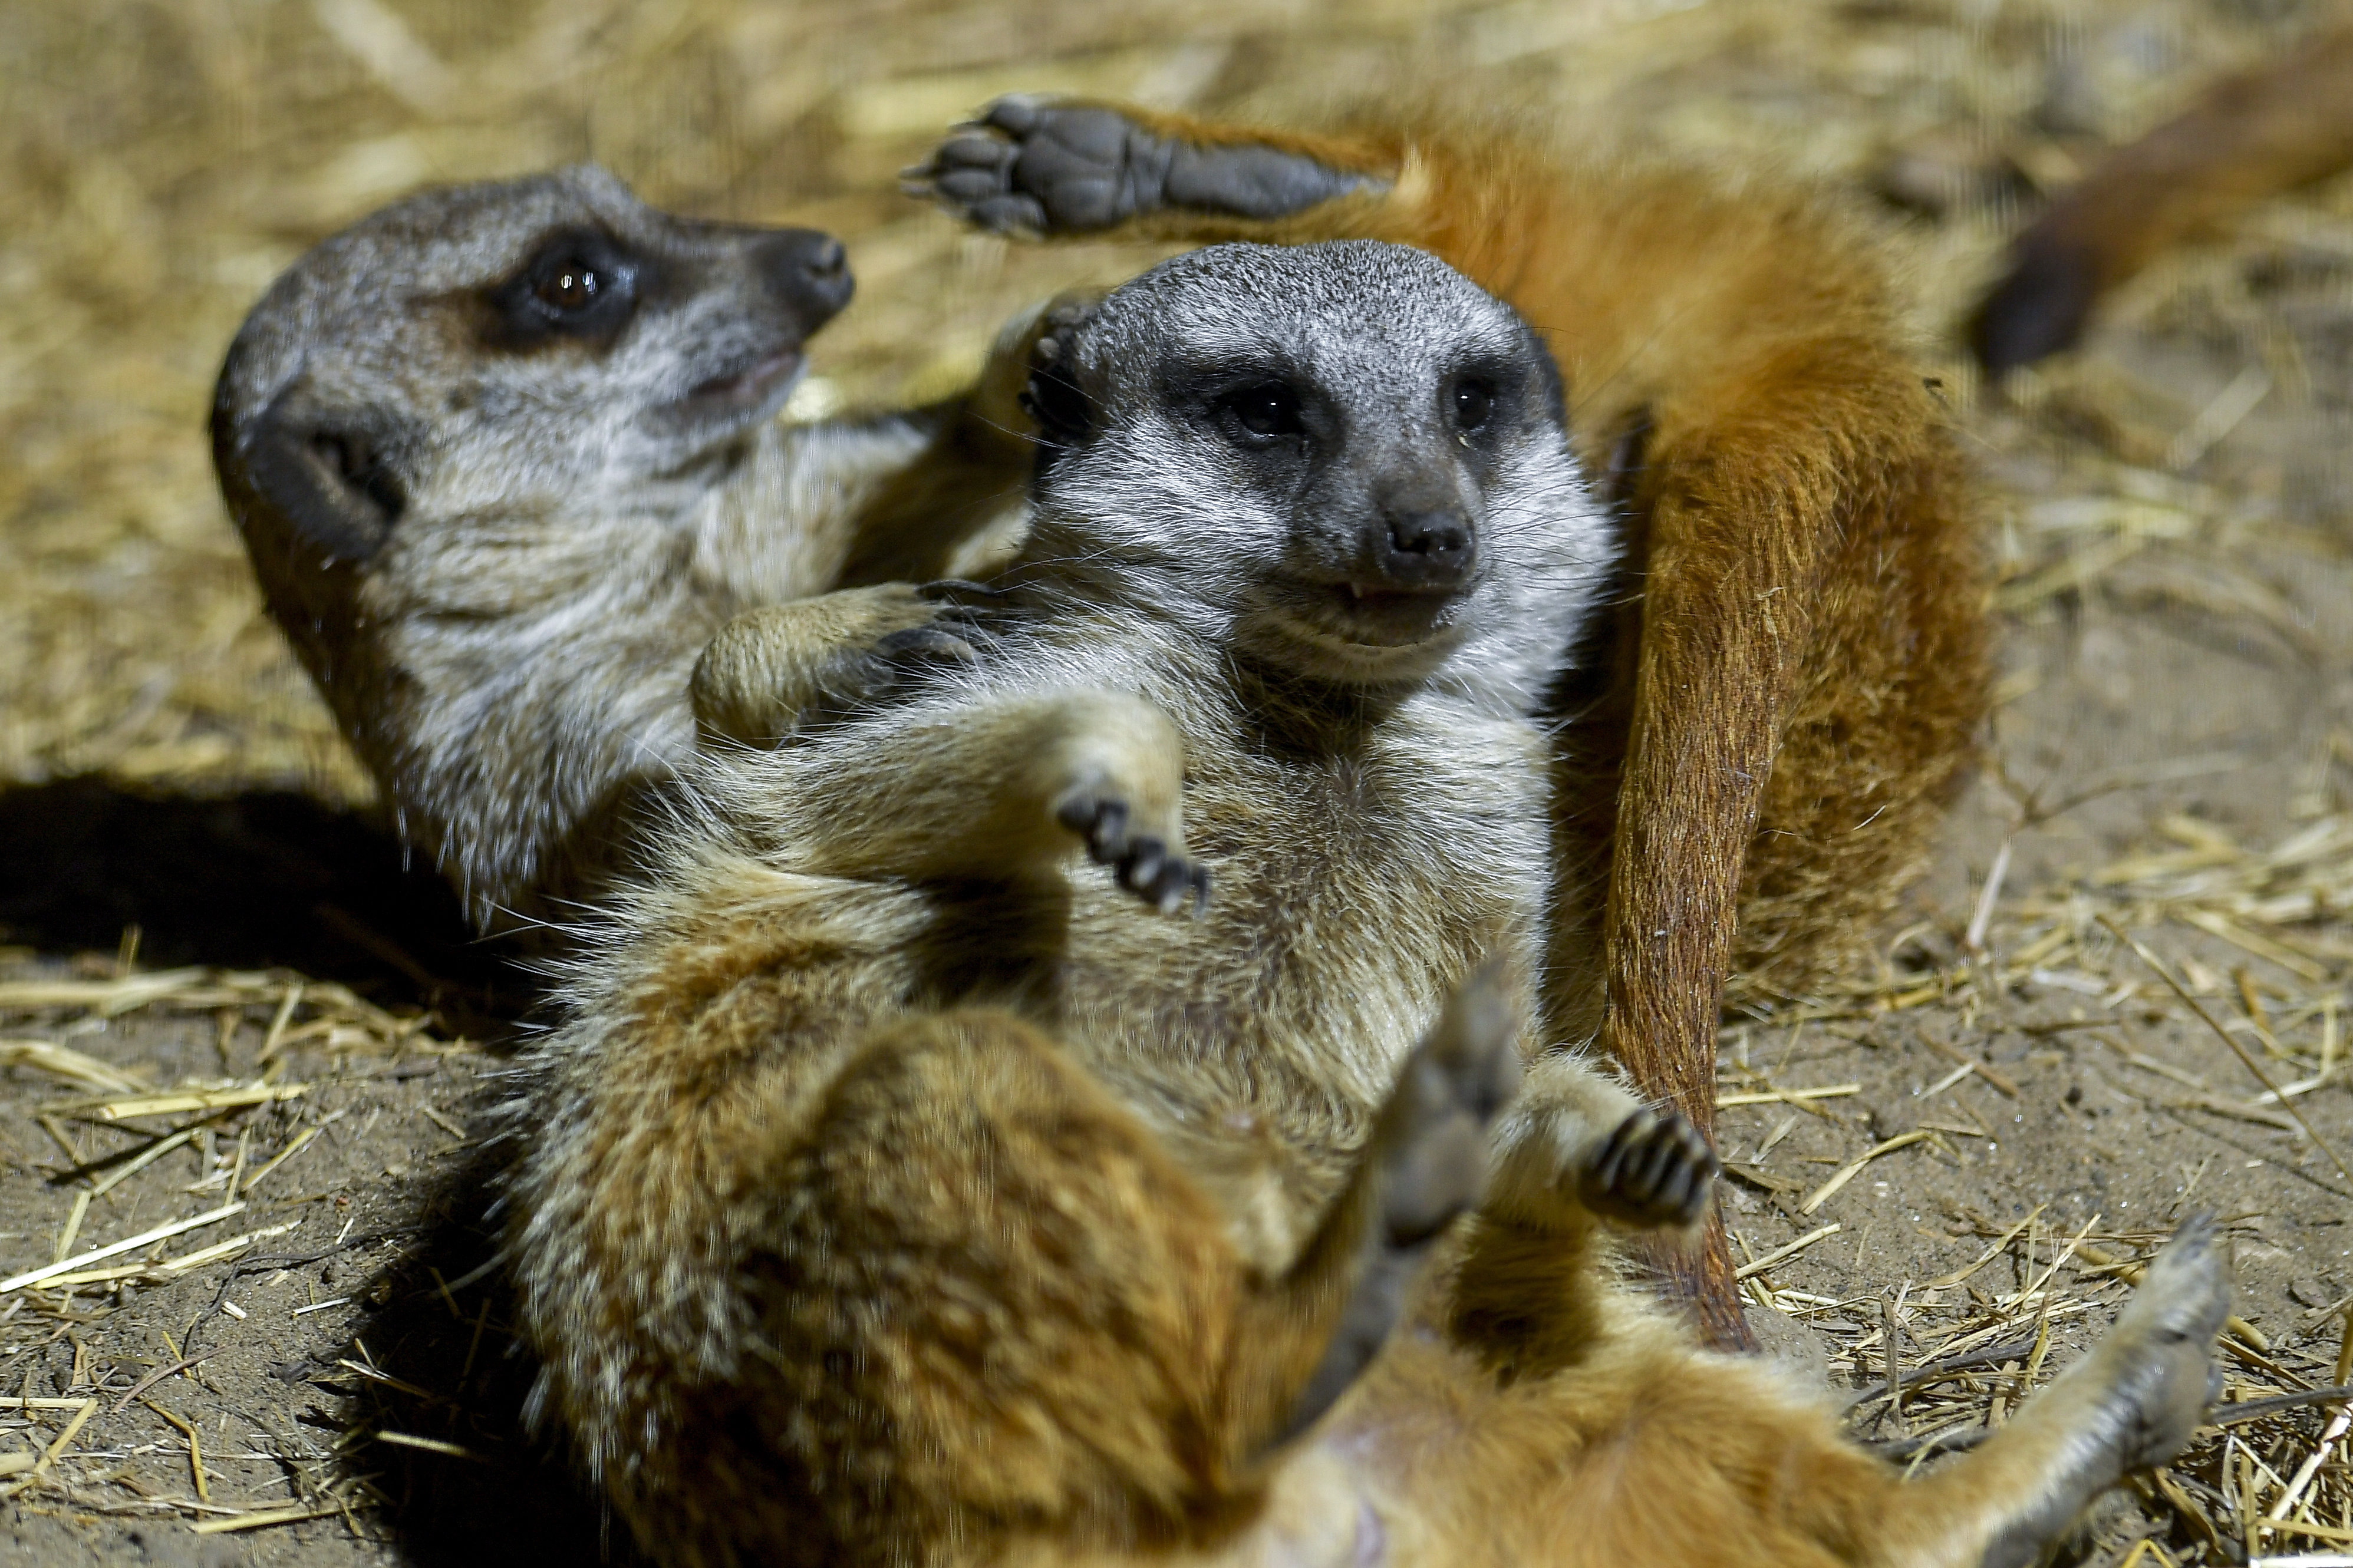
<point>746,387</point>
<point>1382,615</point>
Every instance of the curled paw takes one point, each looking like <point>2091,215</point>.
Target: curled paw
<point>1143,862</point>
<point>1654,1169</point>
<point>930,631</point>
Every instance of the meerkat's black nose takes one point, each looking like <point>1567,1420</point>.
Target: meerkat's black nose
<point>809,272</point>
<point>1425,551</point>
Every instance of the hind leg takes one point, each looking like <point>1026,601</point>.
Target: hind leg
<point>2132,1402</point>
<point>1046,166</point>
<point>1425,1165</point>
<point>1004,1295</point>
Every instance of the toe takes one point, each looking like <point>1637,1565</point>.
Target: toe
<point>1140,868</point>
<point>1015,114</point>
<point>1010,214</point>
<point>970,186</point>
<point>974,150</point>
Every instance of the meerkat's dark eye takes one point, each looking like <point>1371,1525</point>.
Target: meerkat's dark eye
<point>581,283</point>
<point>1267,408</point>
<point>1471,402</point>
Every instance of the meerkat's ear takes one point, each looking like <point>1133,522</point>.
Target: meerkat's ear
<point>333,477</point>
<point>1053,399</point>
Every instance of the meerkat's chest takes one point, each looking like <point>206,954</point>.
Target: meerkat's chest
<point>1350,893</point>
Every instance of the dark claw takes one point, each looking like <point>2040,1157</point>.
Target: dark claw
<point>1142,864</point>
<point>917,646</point>
<point>1103,822</point>
<point>1655,1168</point>
<point>952,592</point>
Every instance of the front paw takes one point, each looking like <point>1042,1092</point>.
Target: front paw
<point>1143,862</point>
<point>1654,1169</point>
<point>925,633</point>
<point>773,671</point>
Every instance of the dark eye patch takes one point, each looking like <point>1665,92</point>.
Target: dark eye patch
<point>578,283</point>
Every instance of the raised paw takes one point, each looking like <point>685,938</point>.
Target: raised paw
<point>1143,862</point>
<point>1031,164</point>
<point>1429,1160</point>
<point>1432,1141</point>
<point>2163,1343</point>
<point>1654,1169</point>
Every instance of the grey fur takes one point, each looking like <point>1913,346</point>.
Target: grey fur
<point>575,513</point>
<point>1156,505</point>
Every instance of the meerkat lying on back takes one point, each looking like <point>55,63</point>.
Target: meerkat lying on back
<point>1796,665</point>
<point>900,1189</point>
<point>1789,678</point>
<point>505,457</point>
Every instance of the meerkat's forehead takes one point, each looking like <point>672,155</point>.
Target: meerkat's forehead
<point>1358,302</point>
<point>457,237</point>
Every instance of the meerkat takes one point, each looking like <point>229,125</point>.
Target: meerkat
<point>1788,678</point>
<point>505,457</point>
<point>1798,650</point>
<point>902,1187</point>
<point>2253,134</point>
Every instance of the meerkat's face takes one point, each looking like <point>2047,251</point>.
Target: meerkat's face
<point>506,348</point>
<point>1344,459</point>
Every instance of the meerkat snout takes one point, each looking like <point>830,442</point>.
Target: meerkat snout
<point>1418,549</point>
<point>1345,460</point>
<point>809,272</point>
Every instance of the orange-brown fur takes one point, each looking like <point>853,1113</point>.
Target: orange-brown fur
<point>1802,644</point>
<point>2254,134</point>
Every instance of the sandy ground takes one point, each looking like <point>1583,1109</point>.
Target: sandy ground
<point>2169,511</point>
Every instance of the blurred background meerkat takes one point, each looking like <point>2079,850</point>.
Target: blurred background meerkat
<point>2256,134</point>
